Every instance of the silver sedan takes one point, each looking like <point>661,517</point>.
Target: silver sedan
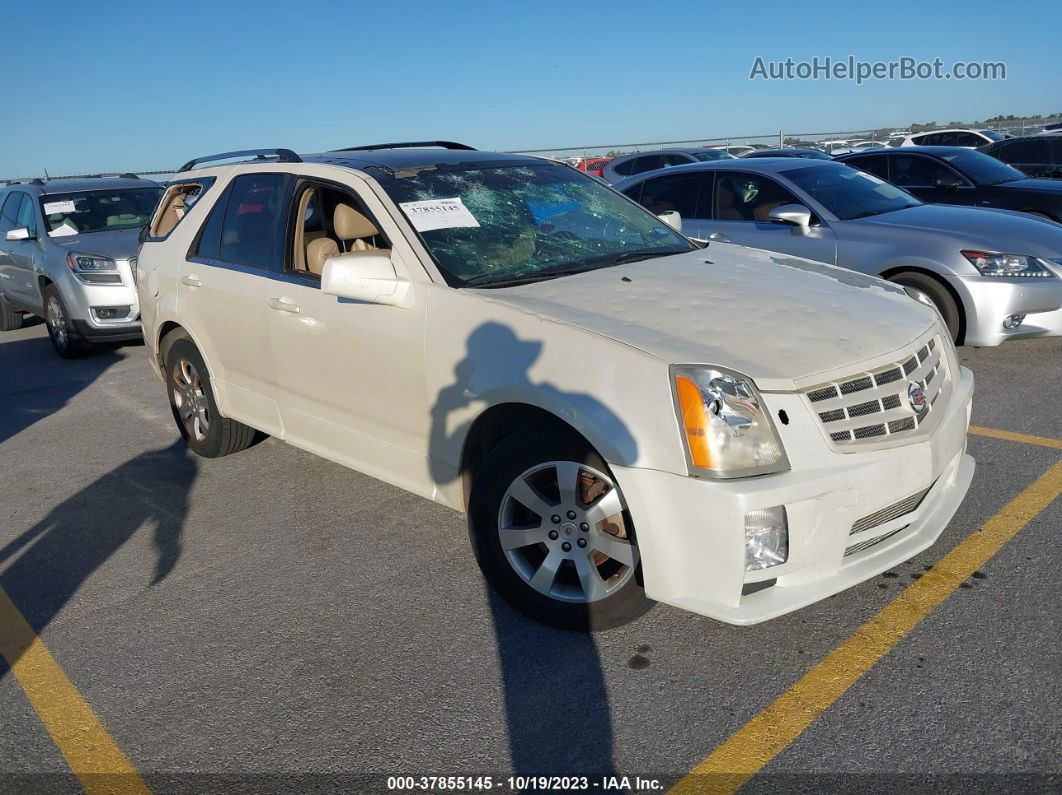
<point>994,275</point>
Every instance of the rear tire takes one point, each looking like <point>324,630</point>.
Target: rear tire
<point>10,318</point>
<point>67,343</point>
<point>938,294</point>
<point>194,408</point>
<point>541,490</point>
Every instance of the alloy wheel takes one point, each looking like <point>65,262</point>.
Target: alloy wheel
<point>57,323</point>
<point>562,527</point>
<point>190,399</point>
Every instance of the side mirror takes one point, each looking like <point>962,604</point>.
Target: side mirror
<point>948,183</point>
<point>673,219</point>
<point>794,214</point>
<point>22,233</point>
<point>365,276</point>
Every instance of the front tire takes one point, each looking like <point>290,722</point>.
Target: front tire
<point>194,408</point>
<point>552,534</point>
<point>61,332</point>
<point>938,294</point>
<point>10,318</point>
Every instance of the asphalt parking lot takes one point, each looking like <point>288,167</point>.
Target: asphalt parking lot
<point>272,614</point>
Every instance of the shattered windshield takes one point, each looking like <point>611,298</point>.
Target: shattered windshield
<point>496,225</point>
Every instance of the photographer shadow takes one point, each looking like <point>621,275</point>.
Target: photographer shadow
<point>556,698</point>
<point>42,569</point>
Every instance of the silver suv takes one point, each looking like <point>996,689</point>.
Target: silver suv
<point>67,249</point>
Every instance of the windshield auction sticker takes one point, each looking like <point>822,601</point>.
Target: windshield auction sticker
<point>54,208</point>
<point>438,214</point>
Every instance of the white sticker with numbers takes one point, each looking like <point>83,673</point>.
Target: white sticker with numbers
<point>438,214</point>
<point>53,208</point>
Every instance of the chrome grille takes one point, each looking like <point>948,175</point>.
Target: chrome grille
<point>873,542</point>
<point>870,407</point>
<point>889,512</point>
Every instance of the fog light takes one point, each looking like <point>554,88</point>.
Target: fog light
<point>110,312</point>
<point>1012,321</point>
<point>766,538</point>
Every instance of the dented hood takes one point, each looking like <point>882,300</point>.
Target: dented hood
<point>780,320</point>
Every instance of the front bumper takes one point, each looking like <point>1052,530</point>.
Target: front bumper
<point>988,300</point>
<point>691,532</point>
<point>81,299</point>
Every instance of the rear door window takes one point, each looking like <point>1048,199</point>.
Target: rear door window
<point>647,163</point>
<point>254,228</point>
<point>968,139</point>
<point>872,164</point>
<point>678,192</point>
<point>916,171</point>
<point>1023,152</point>
<point>676,160</point>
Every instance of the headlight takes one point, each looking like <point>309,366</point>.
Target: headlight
<point>92,269</point>
<point>727,430</point>
<point>990,263</point>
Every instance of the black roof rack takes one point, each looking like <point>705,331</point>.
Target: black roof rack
<point>409,145</point>
<point>281,155</point>
<point>34,181</point>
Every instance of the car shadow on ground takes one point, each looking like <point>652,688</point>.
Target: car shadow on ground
<point>37,383</point>
<point>556,700</point>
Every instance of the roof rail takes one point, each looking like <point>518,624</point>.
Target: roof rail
<point>409,145</point>
<point>34,181</point>
<point>281,155</point>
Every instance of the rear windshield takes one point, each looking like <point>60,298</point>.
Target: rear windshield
<point>98,210</point>
<point>490,225</point>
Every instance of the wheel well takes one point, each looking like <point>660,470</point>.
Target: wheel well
<point>42,282</point>
<point>943,283</point>
<point>495,425</point>
<point>169,332</point>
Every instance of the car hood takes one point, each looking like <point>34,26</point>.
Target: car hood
<point>781,320</point>
<point>982,227</point>
<point>113,244</point>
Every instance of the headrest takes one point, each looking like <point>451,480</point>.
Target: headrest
<point>350,224</point>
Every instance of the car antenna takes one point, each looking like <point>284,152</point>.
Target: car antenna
<point>46,174</point>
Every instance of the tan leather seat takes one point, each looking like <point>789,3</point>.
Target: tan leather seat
<point>318,251</point>
<point>353,228</point>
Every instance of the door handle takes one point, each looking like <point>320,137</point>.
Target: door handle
<point>283,305</point>
<point>719,237</point>
<point>191,280</point>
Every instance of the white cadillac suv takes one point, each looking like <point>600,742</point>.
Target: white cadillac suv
<point>625,416</point>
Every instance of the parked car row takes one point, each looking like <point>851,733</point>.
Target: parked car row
<point>992,274</point>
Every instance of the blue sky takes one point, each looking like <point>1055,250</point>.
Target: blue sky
<point>121,85</point>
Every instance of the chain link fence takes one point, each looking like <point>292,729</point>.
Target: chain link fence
<point>736,144</point>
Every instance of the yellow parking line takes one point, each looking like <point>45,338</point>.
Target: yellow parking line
<point>1011,436</point>
<point>89,750</point>
<point>738,759</point>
